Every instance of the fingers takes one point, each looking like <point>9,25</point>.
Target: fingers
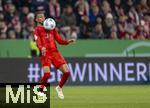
<point>72,40</point>
<point>43,51</point>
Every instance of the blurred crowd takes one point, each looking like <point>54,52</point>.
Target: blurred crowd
<point>82,19</point>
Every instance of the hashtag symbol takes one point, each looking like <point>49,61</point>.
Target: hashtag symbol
<point>33,72</point>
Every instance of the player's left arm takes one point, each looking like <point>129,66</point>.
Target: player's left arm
<point>60,40</point>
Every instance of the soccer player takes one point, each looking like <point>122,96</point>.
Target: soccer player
<point>49,54</point>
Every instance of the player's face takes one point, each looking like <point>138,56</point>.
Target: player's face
<point>40,18</point>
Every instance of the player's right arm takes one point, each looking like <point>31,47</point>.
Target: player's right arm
<point>39,41</point>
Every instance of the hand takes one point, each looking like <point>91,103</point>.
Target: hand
<point>71,40</point>
<point>43,51</point>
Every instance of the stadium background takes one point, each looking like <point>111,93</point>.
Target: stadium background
<point>109,63</point>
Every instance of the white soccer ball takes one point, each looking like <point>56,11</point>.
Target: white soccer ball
<point>49,24</point>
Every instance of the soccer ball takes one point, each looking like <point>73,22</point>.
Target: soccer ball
<point>49,24</point>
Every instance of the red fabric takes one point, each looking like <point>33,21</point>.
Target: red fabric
<point>54,58</point>
<point>47,38</point>
<point>122,34</point>
<point>44,79</point>
<point>64,79</point>
<point>39,41</point>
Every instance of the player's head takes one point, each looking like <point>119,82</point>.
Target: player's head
<point>40,17</point>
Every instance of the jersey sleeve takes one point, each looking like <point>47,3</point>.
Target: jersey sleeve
<point>59,39</point>
<point>37,39</point>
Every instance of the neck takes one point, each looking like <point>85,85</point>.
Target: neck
<point>39,24</point>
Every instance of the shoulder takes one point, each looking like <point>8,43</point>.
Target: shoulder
<point>37,28</point>
<point>37,31</point>
<point>55,30</point>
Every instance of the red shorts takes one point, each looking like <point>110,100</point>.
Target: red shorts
<point>54,58</point>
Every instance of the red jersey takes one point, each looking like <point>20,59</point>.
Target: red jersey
<point>46,38</point>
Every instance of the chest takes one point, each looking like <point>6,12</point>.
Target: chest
<point>47,35</point>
